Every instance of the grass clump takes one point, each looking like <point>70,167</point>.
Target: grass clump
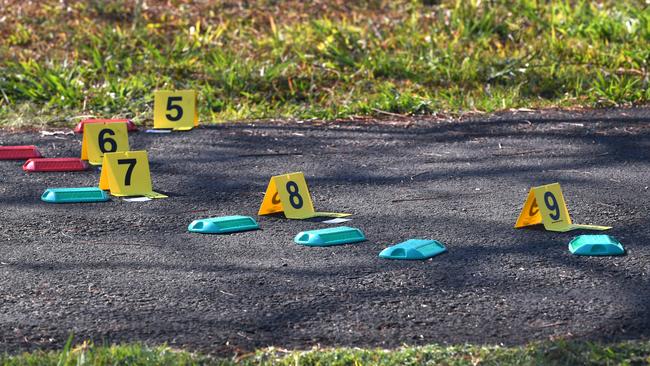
<point>323,59</point>
<point>559,352</point>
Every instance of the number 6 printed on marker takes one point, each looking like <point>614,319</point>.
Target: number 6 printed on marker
<point>103,140</point>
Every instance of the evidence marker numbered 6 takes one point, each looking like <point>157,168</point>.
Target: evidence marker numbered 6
<point>102,138</point>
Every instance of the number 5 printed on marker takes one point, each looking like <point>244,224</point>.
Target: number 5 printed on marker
<point>171,106</point>
<point>175,109</point>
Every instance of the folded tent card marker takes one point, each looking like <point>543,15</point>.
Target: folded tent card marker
<point>175,110</point>
<point>101,138</point>
<point>552,212</point>
<point>288,193</point>
<point>127,174</point>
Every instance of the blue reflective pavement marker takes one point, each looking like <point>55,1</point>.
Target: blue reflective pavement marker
<point>74,195</point>
<point>413,249</point>
<point>595,245</point>
<point>223,225</point>
<point>331,236</point>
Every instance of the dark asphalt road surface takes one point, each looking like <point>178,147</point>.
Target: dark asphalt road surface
<point>125,271</point>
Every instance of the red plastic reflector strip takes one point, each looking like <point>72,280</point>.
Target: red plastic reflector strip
<point>18,152</point>
<point>55,165</point>
<point>130,126</point>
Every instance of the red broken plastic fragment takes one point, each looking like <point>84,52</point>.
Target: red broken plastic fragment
<point>130,126</point>
<point>19,152</point>
<point>55,165</point>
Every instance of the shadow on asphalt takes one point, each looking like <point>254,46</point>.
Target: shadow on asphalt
<point>131,272</point>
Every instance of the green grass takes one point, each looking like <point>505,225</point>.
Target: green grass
<point>323,59</point>
<point>549,353</point>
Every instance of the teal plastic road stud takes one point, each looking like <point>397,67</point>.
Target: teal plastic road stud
<point>413,249</point>
<point>74,195</point>
<point>332,236</point>
<point>595,245</point>
<point>223,225</point>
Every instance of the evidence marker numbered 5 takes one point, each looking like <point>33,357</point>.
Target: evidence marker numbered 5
<point>175,109</point>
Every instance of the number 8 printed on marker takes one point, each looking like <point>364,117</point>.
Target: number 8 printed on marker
<point>293,190</point>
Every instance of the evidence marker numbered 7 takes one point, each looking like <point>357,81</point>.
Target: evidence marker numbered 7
<point>127,174</point>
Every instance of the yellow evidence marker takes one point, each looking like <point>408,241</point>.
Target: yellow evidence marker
<point>175,109</point>
<point>127,174</point>
<point>288,193</point>
<point>102,138</point>
<point>553,212</point>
